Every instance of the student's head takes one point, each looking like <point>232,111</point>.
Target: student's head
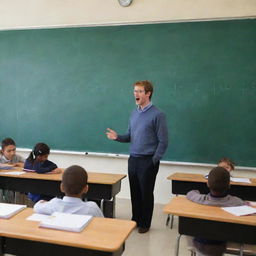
<point>218,181</point>
<point>74,181</point>
<point>40,152</point>
<point>8,148</point>
<point>227,164</point>
<point>143,91</point>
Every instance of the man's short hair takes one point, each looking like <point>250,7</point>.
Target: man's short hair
<point>74,179</point>
<point>148,86</point>
<point>219,180</point>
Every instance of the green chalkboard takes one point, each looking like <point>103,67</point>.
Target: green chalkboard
<point>65,86</point>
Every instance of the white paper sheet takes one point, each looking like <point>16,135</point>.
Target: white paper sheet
<point>243,180</point>
<point>13,173</point>
<point>240,210</point>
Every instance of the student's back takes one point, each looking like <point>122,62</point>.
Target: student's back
<point>218,183</point>
<point>68,205</point>
<point>74,185</point>
<point>209,199</point>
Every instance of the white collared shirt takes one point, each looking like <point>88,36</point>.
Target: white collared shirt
<point>68,204</point>
<point>145,108</point>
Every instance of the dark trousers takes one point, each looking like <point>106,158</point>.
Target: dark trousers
<point>142,176</point>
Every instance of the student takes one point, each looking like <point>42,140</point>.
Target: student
<point>38,161</point>
<point>74,185</point>
<point>218,183</point>
<point>227,164</point>
<point>8,154</point>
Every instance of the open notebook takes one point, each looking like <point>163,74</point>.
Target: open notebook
<point>66,221</point>
<point>8,210</point>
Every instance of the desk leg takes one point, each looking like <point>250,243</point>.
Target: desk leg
<point>172,221</point>
<point>109,207</point>
<point>1,246</point>
<point>167,220</point>
<point>241,250</point>
<point>170,216</point>
<point>178,245</point>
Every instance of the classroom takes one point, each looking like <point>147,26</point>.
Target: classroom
<point>68,67</point>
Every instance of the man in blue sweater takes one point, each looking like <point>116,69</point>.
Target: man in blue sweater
<point>148,135</point>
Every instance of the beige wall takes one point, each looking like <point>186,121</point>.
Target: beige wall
<point>47,13</point>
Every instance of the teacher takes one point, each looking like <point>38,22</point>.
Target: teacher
<point>148,135</point>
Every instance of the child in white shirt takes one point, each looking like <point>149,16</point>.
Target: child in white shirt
<point>74,185</point>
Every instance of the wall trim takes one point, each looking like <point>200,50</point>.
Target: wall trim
<point>125,156</point>
<point>125,23</point>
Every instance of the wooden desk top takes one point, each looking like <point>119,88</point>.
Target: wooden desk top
<point>93,177</point>
<point>192,177</point>
<point>181,206</point>
<point>103,234</point>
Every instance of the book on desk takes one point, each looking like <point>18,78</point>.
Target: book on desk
<point>9,210</point>
<point>66,221</point>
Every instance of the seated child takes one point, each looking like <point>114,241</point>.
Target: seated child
<point>74,185</point>
<point>8,153</point>
<point>38,161</point>
<point>226,163</point>
<point>8,156</point>
<point>218,183</point>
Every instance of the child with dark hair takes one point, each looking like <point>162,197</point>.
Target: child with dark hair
<point>38,162</point>
<point>218,183</point>
<point>8,156</point>
<point>227,163</point>
<point>8,153</point>
<point>74,185</point>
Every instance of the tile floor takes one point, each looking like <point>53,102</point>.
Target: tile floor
<point>160,240</point>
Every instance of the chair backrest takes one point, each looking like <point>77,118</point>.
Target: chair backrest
<point>233,248</point>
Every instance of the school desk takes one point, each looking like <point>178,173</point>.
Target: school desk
<point>184,182</point>
<point>211,222</point>
<point>102,186</point>
<point>102,237</point>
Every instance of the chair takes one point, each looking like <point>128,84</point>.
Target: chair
<point>233,249</point>
<point>236,248</point>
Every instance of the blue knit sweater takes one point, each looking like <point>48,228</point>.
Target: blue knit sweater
<point>147,132</point>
